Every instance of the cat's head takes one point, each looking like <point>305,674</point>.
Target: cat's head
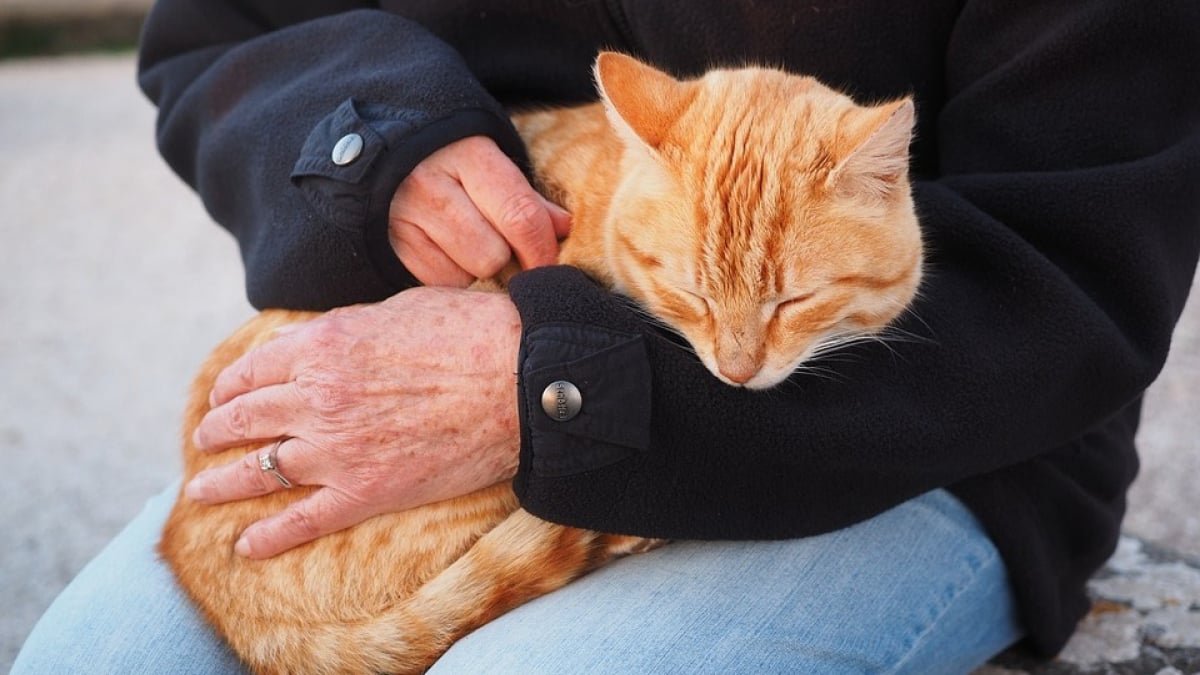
<point>760,214</point>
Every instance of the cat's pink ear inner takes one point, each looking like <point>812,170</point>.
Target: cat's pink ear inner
<point>643,103</point>
<point>877,158</point>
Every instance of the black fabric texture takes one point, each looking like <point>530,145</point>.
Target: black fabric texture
<point>249,92</point>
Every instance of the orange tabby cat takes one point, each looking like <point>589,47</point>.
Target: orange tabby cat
<point>760,214</point>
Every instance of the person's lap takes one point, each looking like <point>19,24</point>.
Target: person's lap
<point>918,589</point>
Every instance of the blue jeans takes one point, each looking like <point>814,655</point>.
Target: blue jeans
<point>918,589</point>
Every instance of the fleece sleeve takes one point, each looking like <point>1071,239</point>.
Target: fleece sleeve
<point>254,98</point>
<point>1063,230</point>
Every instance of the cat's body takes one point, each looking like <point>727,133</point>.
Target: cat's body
<point>756,213</point>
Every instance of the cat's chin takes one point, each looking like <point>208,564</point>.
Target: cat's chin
<point>761,381</point>
<point>764,380</point>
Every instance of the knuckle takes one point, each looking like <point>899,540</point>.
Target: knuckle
<point>237,419</point>
<point>330,332</point>
<point>424,190</point>
<point>523,217</point>
<point>419,179</point>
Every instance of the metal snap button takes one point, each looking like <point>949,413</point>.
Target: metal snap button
<point>347,149</point>
<point>561,400</point>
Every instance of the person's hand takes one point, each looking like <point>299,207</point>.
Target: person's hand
<point>385,407</point>
<point>465,210</point>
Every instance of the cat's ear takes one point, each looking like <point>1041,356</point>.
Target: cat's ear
<point>875,161</point>
<point>642,102</point>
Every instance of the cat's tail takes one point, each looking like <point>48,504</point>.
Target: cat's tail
<point>520,559</point>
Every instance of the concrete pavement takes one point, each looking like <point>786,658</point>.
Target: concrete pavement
<point>58,10</point>
<point>115,285</point>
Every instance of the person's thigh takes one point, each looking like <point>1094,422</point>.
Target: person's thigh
<point>124,613</point>
<point>918,589</point>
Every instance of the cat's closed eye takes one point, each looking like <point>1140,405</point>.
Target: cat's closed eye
<point>700,304</point>
<point>792,303</point>
<point>795,301</point>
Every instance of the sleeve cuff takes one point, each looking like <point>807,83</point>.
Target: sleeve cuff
<point>610,369</point>
<point>351,185</point>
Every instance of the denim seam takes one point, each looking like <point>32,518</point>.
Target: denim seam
<point>975,564</point>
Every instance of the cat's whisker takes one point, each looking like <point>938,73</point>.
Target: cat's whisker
<point>819,372</point>
<point>833,359</point>
<point>683,347</point>
<point>886,337</point>
<point>807,370</point>
<point>929,329</point>
<point>838,343</point>
<point>896,334</point>
<point>662,325</point>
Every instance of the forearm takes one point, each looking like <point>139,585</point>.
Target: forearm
<point>249,114</point>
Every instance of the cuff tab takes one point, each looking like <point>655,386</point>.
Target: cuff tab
<point>318,156</point>
<point>610,373</point>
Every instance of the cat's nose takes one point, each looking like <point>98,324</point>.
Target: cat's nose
<point>738,371</point>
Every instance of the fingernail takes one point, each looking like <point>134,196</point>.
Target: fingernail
<point>242,547</point>
<point>194,490</point>
<point>561,210</point>
<point>196,439</point>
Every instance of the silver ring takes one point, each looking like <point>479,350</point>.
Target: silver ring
<point>266,462</point>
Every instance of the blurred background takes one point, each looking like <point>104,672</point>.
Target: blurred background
<point>116,284</point>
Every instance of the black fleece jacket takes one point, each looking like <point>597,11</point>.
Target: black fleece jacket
<point>1057,166</point>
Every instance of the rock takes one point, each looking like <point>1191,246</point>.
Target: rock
<point>1145,620</point>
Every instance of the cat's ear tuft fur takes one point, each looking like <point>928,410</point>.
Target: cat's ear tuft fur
<point>642,102</point>
<point>876,159</point>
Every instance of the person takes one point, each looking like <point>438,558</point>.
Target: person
<point>935,503</point>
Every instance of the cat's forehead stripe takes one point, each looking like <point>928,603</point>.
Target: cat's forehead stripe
<point>742,216</point>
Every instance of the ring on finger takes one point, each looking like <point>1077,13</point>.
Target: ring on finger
<point>267,461</point>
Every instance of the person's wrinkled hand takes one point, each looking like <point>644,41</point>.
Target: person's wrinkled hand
<point>465,210</point>
<point>384,407</point>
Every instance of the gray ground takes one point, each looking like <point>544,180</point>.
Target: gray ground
<point>115,286</point>
<point>46,10</point>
